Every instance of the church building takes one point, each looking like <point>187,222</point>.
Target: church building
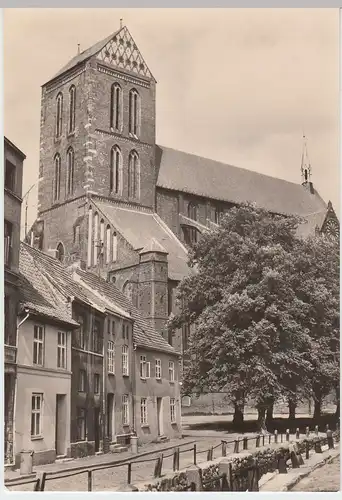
<point>124,207</point>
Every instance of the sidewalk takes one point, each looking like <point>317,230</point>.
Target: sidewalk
<point>285,482</point>
<point>98,460</point>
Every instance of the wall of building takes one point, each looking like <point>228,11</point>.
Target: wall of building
<point>153,388</point>
<point>48,380</point>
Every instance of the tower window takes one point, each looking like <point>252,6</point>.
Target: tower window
<point>192,211</point>
<point>108,244</point>
<point>96,230</point>
<point>60,252</point>
<point>59,115</point>
<point>133,175</point>
<point>115,106</point>
<point>115,170</point>
<point>115,247</point>
<point>70,173</point>
<point>134,112</point>
<point>57,181</point>
<point>72,108</point>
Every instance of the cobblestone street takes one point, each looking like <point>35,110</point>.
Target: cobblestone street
<point>326,478</point>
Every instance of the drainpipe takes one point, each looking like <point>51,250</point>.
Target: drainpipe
<point>15,387</point>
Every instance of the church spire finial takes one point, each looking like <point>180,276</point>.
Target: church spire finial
<point>78,49</point>
<point>305,166</point>
<point>121,21</point>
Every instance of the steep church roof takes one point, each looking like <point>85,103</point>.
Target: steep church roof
<point>219,181</point>
<point>117,49</point>
<point>139,227</point>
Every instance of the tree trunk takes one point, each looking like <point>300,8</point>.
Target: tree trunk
<point>269,414</point>
<point>238,414</point>
<point>261,418</point>
<point>292,409</point>
<point>317,409</point>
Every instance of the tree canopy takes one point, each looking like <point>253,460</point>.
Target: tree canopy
<point>264,310</point>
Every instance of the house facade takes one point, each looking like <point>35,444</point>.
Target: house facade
<point>13,174</point>
<point>118,192</point>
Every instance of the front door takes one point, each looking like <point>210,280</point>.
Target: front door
<point>97,428</point>
<point>60,425</point>
<point>160,416</point>
<point>110,417</point>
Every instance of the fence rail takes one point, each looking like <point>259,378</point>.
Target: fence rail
<point>236,476</point>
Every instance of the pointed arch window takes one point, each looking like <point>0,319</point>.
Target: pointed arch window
<point>133,175</point>
<point>115,247</point>
<point>108,241</point>
<point>192,211</point>
<point>90,234</point>
<point>70,171</point>
<point>95,241</point>
<point>116,107</point>
<point>59,115</point>
<point>60,252</point>
<point>57,179</point>
<point>115,174</point>
<point>72,108</point>
<point>134,112</point>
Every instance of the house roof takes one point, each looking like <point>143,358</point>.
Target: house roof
<point>140,227</point>
<point>36,293</point>
<point>144,334</point>
<point>212,179</point>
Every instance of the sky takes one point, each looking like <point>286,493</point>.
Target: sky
<point>235,85</point>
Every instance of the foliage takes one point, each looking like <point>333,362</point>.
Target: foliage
<point>263,305</point>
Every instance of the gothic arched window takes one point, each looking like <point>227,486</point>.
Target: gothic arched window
<point>70,171</point>
<point>95,241</point>
<point>115,247</point>
<point>115,174</point>
<point>60,252</point>
<point>57,178</point>
<point>59,115</point>
<point>72,108</point>
<point>133,175</point>
<point>134,112</point>
<point>115,106</point>
<point>108,242</point>
<point>192,211</point>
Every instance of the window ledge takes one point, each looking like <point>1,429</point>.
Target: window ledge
<point>125,375</point>
<point>144,426</point>
<point>172,382</point>
<point>158,379</point>
<point>111,373</point>
<point>173,423</point>
<point>36,438</point>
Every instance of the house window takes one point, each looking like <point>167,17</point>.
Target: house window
<point>115,106</point>
<point>111,357</point>
<point>145,367</point>
<point>115,170</point>
<point>70,173</point>
<point>38,345</point>
<point>134,112</point>
<point>143,411</point>
<point>96,383</point>
<point>125,410</point>
<point>192,211</point>
<point>61,350</point>
<point>217,215</point>
<point>81,419</point>
<point>108,244</point>
<point>36,415</point>
<point>97,341</point>
<point>158,369</point>
<point>10,175</point>
<point>125,370</point>
<point>115,247</point>
<point>171,371</point>
<point>8,229</point>
<point>57,180</point>
<point>82,381</point>
<point>72,108</point>
<point>113,328</point>
<point>190,235</point>
<point>173,410</point>
<point>59,115</point>
<point>133,175</point>
<point>60,252</point>
<point>80,333</point>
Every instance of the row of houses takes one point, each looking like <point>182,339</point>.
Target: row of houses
<point>88,369</point>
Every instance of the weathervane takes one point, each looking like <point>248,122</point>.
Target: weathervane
<point>305,166</point>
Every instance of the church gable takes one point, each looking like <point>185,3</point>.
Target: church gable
<point>121,51</point>
<point>331,224</point>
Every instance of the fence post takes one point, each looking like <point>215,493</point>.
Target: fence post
<point>327,427</point>
<point>294,459</point>
<point>257,441</point>
<point>297,433</point>
<point>316,430</point>
<point>307,450</point>
<point>263,439</point>
<point>269,438</point>
<point>287,434</point>
<point>224,449</point>
<point>253,478</point>
<point>330,439</point>
<point>174,460</point>
<point>230,477</point>
<point>129,473</point>
<point>276,436</point>
<point>282,469</point>
<point>195,457</point>
<point>160,465</point>
<point>281,437</point>
<point>37,485</point>
<point>245,443</point>
<point>156,467</point>
<point>318,448</point>
<point>90,481</point>
<point>178,458</point>
<point>236,446</point>
<point>307,431</point>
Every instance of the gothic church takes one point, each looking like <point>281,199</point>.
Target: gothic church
<point>114,202</point>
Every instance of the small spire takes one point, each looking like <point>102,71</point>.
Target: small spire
<point>78,49</point>
<point>121,21</point>
<point>305,166</point>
